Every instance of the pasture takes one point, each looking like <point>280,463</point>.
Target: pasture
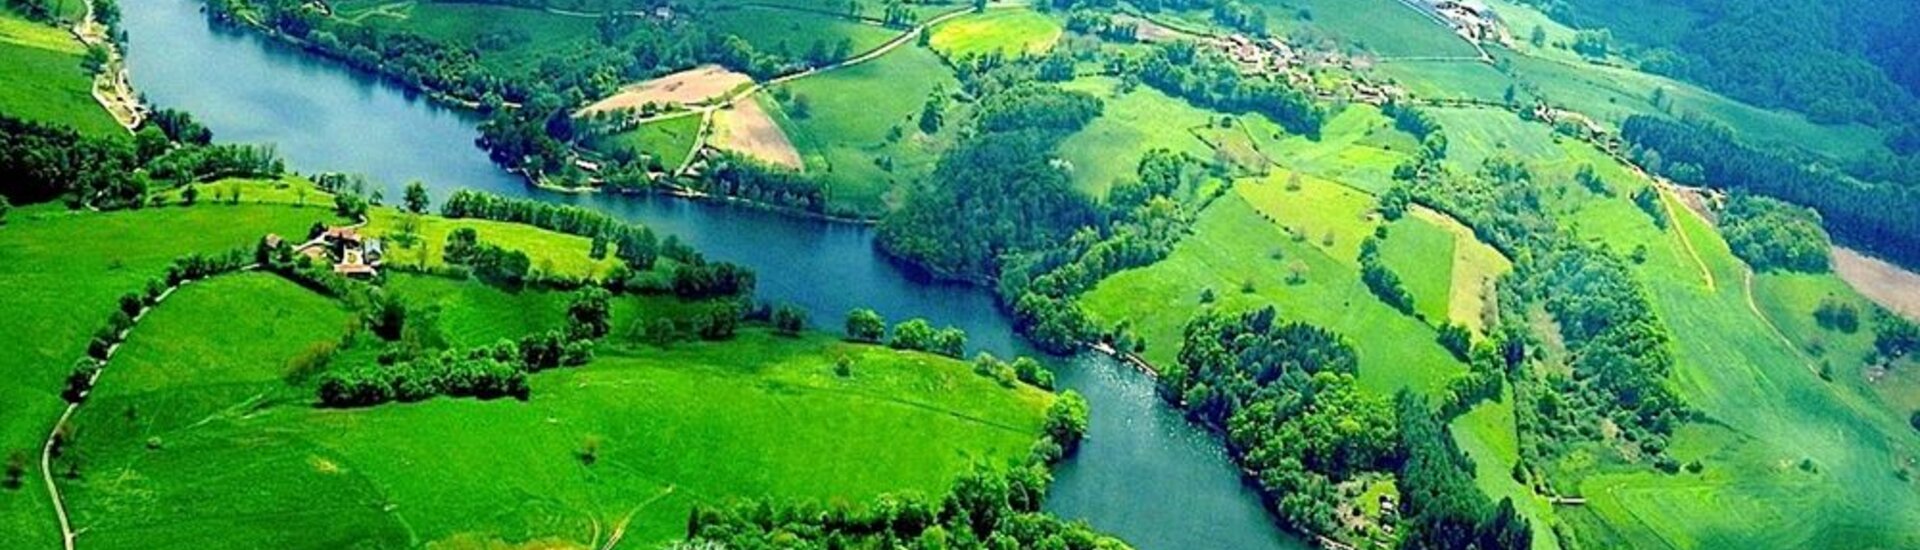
<point>616,450</point>
<point>1241,254</point>
<point>1422,254</point>
<point>1130,124</point>
<point>1752,491</point>
<point>46,80</point>
<point>1357,146</point>
<point>668,139</point>
<point>63,273</point>
<point>855,127</point>
<point>1009,32</point>
<point>1387,28</point>
<point>794,32</point>
<point>508,38</point>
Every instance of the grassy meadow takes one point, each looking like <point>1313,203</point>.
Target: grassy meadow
<point>46,80</point>
<point>248,457</point>
<point>507,37</point>
<point>857,128</point>
<point>1130,124</point>
<point>1010,32</point>
<point>777,29</point>
<point>1241,251</point>
<point>1387,28</point>
<point>64,271</point>
<point>669,140</point>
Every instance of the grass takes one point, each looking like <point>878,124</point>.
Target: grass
<point>46,81</point>
<point>1235,242</point>
<point>1358,147</point>
<point>1422,254</point>
<point>1009,32</point>
<point>1385,27</point>
<point>63,273</point>
<point>759,416</point>
<point>1130,125</point>
<point>551,252</point>
<point>1475,135</point>
<point>1767,407</point>
<point>669,140</point>
<point>508,38</point>
<point>794,31</point>
<point>847,136</point>
<point>1486,434</point>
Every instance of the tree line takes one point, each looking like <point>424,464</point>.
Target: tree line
<point>43,162</point>
<point>1876,216</point>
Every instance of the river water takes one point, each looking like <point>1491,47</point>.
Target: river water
<point>1144,474</point>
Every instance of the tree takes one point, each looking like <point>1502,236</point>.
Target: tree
<point>866,325</point>
<point>189,194</point>
<point>589,314</point>
<point>1538,37</point>
<point>912,334</point>
<point>5,206</point>
<point>416,197</point>
<point>17,466</point>
<point>789,319</point>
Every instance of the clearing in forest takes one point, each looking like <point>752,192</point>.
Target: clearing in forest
<point>746,128</point>
<point>1887,284</point>
<point>689,87</point>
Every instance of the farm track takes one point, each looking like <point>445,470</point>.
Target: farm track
<point>1754,305</point>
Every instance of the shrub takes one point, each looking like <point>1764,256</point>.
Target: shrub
<point>789,319</point>
<point>866,325</point>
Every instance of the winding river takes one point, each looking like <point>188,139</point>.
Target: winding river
<point>1145,474</point>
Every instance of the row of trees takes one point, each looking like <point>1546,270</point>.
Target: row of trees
<point>1384,283</point>
<point>1871,215</point>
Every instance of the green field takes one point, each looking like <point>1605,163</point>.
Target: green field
<point>1422,254</point>
<point>1357,146</point>
<point>1385,27</point>
<point>759,416</point>
<point>63,273</point>
<point>1130,124</point>
<point>669,140</point>
<point>846,136</point>
<point>1009,32</point>
<point>794,31</point>
<point>1475,135</point>
<point>508,38</point>
<point>1487,435</point>
<point>1751,492</point>
<point>45,79</point>
<point>1234,244</point>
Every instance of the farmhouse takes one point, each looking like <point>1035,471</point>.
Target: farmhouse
<point>350,253</point>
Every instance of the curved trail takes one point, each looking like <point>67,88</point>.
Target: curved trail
<point>1754,305</point>
<point>1706,273</point>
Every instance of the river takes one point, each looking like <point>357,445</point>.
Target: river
<point>1145,474</point>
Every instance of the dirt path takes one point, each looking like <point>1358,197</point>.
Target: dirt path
<point>111,87</point>
<point>67,534</point>
<point>1674,217</point>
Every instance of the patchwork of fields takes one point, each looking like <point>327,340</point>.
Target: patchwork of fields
<point>46,79</point>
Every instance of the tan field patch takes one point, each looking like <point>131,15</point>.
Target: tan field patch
<point>1476,266</point>
<point>688,87</point>
<point>1886,284</point>
<point>746,128</point>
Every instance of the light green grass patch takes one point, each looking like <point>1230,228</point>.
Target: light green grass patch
<point>45,79</point>
<point>1422,254</point>
<point>759,416</point>
<point>793,32</point>
<point>669,140</point>
<point>1357,147</point>
<point>1332,217</point>
<point>1388,28</point>
<point>1475,135</point>
<point>1130,124</point>
<point>1007,31</point>
<point>846,136</point>
<point>508,38</point>
<point>1486,434</point>
<point>63,273</point>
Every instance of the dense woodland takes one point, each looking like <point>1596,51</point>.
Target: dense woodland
<point>1838,61</point>
<point>1875,216</point>
<point>1773,234</point>
<point>40,163</point>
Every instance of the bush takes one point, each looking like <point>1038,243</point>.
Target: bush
<point>1066,422</point>
<point>789,319</point>
<point>866,325</point>
<point>912,334</point>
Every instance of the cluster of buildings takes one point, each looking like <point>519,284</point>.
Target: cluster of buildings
<point>349,253</point>
<point>1472,19</point>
